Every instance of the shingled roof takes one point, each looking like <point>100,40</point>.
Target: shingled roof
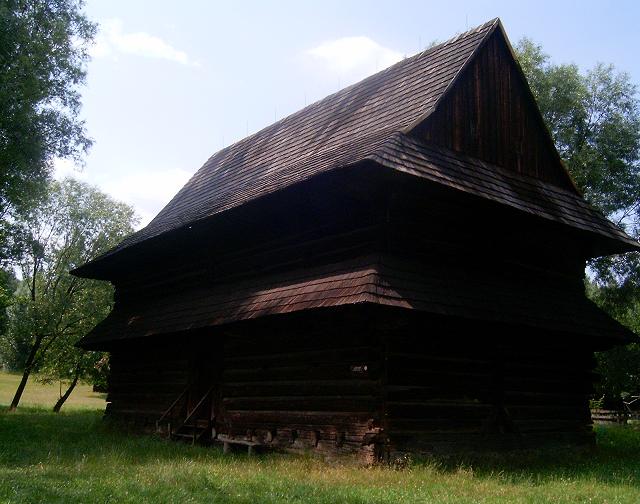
<point>379,279</point>
<point>371,120</point>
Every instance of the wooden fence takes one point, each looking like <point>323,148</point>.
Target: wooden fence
<point>603,416</point>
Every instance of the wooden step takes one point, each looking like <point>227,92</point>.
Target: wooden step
<point>185,435</point>
<point>200,424</point>
<point>228,441</point>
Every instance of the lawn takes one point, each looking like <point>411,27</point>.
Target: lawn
<point>75,457</point>
<point>41,395</point>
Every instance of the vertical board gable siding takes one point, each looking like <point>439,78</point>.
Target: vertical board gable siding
<point>489,115</point>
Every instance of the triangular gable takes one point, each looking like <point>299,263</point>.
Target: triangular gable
<point>489,112</point>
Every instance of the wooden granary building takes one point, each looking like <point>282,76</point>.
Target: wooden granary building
<point>397,267</point>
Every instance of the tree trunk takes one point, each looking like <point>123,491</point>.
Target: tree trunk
<point>65,396</point>
<point>28,367</point>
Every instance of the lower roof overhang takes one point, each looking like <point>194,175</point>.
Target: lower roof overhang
<point>486,295</point>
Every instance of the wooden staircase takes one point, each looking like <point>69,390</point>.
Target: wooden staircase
<point>194,425</point>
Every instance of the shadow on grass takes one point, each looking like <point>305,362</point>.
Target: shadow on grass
<point>614,460</point>
<point>30,435</point>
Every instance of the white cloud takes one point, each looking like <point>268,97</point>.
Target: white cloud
<point>354,55</point>
<point>112,40</point>
<point>148,192</point>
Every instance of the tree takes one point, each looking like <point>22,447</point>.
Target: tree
<point>594,119</point>
<point>619,368</point>
<point>65,361</point>
<point>8,285</point>
<point>53,309</point>
<point>43,54</point>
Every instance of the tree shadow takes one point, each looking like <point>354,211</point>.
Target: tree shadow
<point>31,435</point>
<point>614,460</point>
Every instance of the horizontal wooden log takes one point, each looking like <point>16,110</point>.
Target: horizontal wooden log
<point>146,364</point>
<point>552,425</point>
<point>453,424</point>
<point>159,395</point>
<point>460,393</point>
<point>540,384</point>
<point>302,371</point>
<point>319,337</point>
<point>537,367</point>
<point>531,412</point>
<point>314,418</point>
<point>297,403</point>
<point>542,398</point>
<point>439,363</point>
<point>330,355</point>
<point>440,410</point>
<point>450,381</point>
<point>308,388</point>
<point>290,433</point>
<point>139,387</point>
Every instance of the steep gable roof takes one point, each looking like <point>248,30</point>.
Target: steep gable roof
<point>338,130</point>
<point>365,121</point>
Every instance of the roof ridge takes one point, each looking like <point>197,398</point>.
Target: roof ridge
<point>466,33</point>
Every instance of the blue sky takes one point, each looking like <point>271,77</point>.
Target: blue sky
<point>172,82</point>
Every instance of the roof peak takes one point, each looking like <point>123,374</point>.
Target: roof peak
<point>491,23</point>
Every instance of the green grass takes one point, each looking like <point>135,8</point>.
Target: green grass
<point>46,395</point>
<point>75,457</point>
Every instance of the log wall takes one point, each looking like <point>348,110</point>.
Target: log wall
<point>305,383</point>
<point>370,383</point>
<point>455,386</point>
<point>144,380</point>
<point>308,382</point>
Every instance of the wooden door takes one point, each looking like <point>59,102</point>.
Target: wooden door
<point>205,382</point>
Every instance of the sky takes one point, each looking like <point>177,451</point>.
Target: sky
<point>170,83</point>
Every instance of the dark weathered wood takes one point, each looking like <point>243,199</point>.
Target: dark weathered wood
<point>490,114</point>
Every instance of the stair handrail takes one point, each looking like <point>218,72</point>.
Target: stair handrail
<point>196,407</point>
<point>171,408</point>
